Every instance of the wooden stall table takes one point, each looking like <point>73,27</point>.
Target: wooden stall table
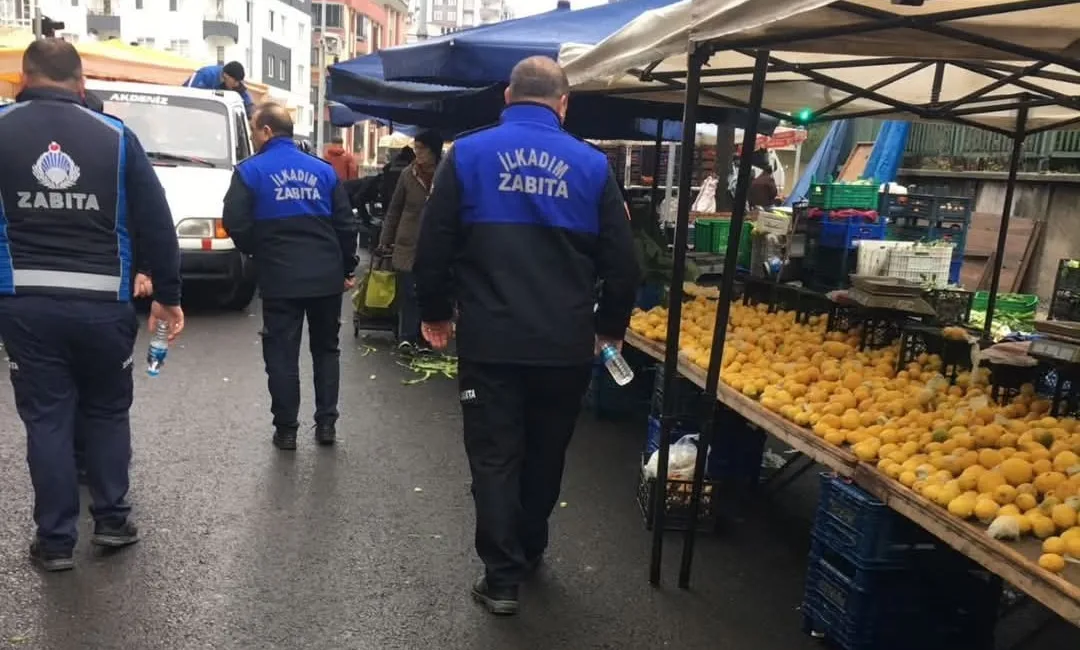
<point>1015,562</point>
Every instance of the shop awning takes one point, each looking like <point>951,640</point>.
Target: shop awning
<point>844,59</point>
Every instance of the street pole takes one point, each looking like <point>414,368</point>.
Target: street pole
<point>321,110</point>
<point>37,20</point>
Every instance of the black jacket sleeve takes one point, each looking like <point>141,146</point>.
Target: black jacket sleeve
<point>616,264</point>
<point>236,215</point>
<point>153,234</point>
<point>345,226</point>
<point>440,224</point>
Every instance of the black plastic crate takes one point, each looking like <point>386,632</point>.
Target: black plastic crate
<point>1065,300</point>
<point>737,447</point>
<point>687,396</point>
<point>953,209</point>
<point>917,338</point>
<point>865,530</point>
<point>897,206</point>
<point>677,502</point>
<point>953,306</point>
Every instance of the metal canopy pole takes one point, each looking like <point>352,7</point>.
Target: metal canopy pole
<point>723,307</point>
<point>655,194</point>
<point>695,60</point>
<point>1006,213</point>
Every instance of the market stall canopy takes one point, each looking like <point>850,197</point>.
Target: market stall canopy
<point>360,85</point>
<point>114,60</point>
<point>847,59</point>
<point>485,55</point>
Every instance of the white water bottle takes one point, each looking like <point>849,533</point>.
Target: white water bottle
<point>159,347</point>
<point>616,365</point>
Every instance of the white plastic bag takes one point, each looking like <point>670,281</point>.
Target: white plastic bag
<point>706,198</point>
<point>682,457</point>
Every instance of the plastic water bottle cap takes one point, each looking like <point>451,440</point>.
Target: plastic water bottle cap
<point>609,352</point>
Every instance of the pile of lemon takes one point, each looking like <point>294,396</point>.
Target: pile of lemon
<point>948,442</point>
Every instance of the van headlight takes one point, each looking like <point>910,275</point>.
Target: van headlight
<point>201,229</point>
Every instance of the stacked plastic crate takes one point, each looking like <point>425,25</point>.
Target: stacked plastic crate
<point>840,215</point>
<point>924,217</point>
<point>875,581</point>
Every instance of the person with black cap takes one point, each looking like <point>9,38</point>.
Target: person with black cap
<point>223,77</point>
<point>401,229</point>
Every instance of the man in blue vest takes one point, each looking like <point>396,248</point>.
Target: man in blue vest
<point>79,194</point>
<point>287,209</point>
<point>523,220</point>
<point>223,77</point>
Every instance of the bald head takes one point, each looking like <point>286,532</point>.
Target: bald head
<point>537,79</point>
<point>52,62</point>
<point>274,117</point>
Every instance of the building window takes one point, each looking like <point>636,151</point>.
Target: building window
<point>74,3</point>
<point>180,47</point>
<point>221,54</point>
<point>145,42</point>
<point>270,66</point>
<point>283,28</point>
<point>334,15</point>
<point>69,37</point>
<point>247,60</point>
<point>437,14</point>
<point>139,4</point>
<point>249,11</point>
<point>271,22</point>
<point>282,76</point>
<point>300,78</point>
<point>300,32</point>
<point>174,5</point>
<point>315,56</point>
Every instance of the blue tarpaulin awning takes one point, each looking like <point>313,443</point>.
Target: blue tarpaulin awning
<point>359,85</point>
<point>485,55</point>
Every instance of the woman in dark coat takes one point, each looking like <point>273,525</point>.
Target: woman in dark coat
<point>401,229</point>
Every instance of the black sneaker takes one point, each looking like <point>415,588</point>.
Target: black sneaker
<point>51,561</point>
<point>115,536</point>
<point>325,434</point>
<point>285,438</point>
<point>500,601</point>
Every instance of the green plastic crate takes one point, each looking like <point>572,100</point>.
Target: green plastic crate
<point>836,196</point>
<point>703,235</point>
<point>1021,304</point>
<point>720,231</point>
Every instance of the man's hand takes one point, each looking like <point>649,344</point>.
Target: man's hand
<point>171,314</point>
<point>350,283</point>
<point>601,341</point>
<point>437,334</point>
<point>144,287</point>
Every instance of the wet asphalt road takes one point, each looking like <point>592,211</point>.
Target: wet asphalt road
<point>366,545</point>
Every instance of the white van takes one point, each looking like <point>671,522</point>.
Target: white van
<point>194,138</point>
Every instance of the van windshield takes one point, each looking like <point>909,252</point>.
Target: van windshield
<point>175,130</point>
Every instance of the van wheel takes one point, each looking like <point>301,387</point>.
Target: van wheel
<point>236,296</point>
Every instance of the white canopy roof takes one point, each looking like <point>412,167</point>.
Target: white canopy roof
<point>647,58</point>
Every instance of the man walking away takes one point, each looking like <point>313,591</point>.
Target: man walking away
<point>79,192</point>
<point>288,209</point>
<point>222,77</point>
<point>343,162</point>
<point>522,222</point>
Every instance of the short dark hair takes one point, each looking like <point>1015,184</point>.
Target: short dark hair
<point>538,77</point>
<point>275,116</point>
<point>234,69</point>
<point>53,59</point>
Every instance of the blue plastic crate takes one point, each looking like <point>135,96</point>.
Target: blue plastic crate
<point>842,233</point>
<point>865,530</point>
<point>945,608</point>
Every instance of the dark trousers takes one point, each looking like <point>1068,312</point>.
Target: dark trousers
<point>408,308</point>
<point>518,423</point>
<point>71,364</point>
<point>283,324</point>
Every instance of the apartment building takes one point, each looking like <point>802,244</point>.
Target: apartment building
<point>440,17</point>
<point>270,37</point>
<point>355,28</point>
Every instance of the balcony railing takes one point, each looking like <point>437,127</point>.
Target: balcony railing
<point>218,23</point>
<point>103,17</point>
